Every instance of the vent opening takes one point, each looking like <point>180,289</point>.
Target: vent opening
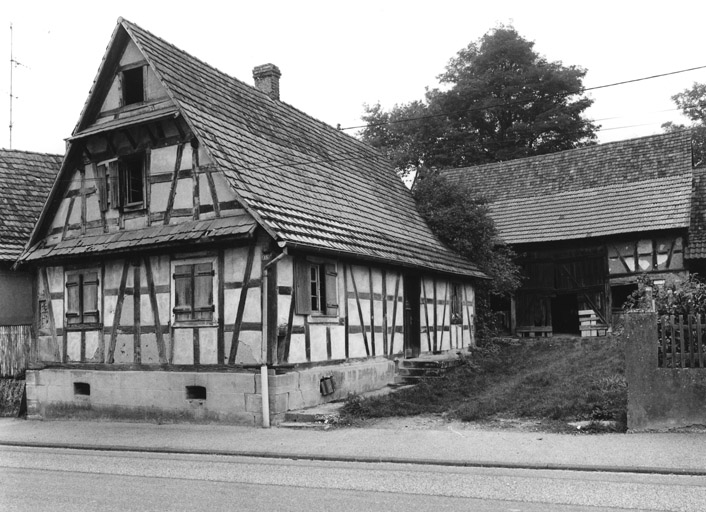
<point>82,389</point>
<point>195,393</point>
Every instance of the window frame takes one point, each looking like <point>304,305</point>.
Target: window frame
<point>112,179</point>
<point>212,308</point>
<point>128,75</point>
<point>321,287</point>
<point>77,277</point>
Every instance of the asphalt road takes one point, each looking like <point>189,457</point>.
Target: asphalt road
<point>40,479</point>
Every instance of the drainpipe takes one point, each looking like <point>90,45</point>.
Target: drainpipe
<point>264,378</point>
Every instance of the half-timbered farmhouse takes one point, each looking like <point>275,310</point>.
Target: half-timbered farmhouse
<point>587,222</point>
<point>210,252</point>
<point>25,181</point>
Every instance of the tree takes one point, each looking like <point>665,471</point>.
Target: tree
<point>692,103</point>
<point>499,100</point>
<point>461,221</point>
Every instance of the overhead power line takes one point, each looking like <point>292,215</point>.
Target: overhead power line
<point>517,102</point>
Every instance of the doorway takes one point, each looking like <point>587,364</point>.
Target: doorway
<point>565,314</point>
<point>412,326</point>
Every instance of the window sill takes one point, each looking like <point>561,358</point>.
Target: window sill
<point>323,319</point>
<point>83,327</point>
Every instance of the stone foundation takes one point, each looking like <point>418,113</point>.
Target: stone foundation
<point>228,397</point>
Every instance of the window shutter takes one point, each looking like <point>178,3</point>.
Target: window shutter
<point>102,186</point>
<point>331,289</point>
<point>115,194</point>
<point>90,298</point>
<point>203,291</point>
<point>183,292</point>
<point>73,300</point>
<point>302,292</point>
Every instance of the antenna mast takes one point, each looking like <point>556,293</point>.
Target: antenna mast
<point>12,65</point>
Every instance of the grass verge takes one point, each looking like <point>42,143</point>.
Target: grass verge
<point>560,381</point>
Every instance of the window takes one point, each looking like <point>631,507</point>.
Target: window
<point>456,303</point>
<point>82,298</point>
<point>121,182</point>
<point>193,298</point>
<point>315,288</point>
<point>133,86</point>
<point>132,179</point>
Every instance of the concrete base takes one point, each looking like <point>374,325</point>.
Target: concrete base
<point>168,396</point>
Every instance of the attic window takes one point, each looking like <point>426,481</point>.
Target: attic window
<point>133,86</point>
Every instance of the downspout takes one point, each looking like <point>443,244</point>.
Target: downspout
<point>264,379</point>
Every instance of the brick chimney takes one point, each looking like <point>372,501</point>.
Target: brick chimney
<point>267,79</point>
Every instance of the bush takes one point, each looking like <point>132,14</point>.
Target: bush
<point>682,298</point>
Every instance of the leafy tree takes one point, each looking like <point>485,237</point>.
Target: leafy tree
<point>499,100</point>
<point>692,103</point>
<point>460,219</point>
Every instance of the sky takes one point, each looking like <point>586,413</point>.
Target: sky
<point>337,56</point>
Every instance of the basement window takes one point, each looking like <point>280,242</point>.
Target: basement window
<point>82,389</point>
<point>195,393</point>
<point>133,86</point>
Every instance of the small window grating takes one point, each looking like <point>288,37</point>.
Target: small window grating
<point>195,393</point>
<point>82,389</point>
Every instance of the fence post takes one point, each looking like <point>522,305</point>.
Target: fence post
<point>641,359</point>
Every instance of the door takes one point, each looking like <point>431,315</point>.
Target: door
<point>412,326</point>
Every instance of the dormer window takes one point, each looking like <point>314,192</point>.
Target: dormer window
<point>133,86</point>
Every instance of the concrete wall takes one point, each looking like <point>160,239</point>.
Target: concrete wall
<point>659,398</point>
<point>231,397</point>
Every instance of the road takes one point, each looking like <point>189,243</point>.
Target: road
<point>57,480</point>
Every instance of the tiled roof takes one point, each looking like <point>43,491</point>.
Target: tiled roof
<point>309,184</point>
<point>696,248</point>
<point>25,181</point>
<point>621,187</point>
<point>239,226</point>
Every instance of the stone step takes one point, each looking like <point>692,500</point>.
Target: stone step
<point>304,425</point>
<point>420,372</point>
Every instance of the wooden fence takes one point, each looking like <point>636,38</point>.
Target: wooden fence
<point>681,341</point>
<point>15,342</point>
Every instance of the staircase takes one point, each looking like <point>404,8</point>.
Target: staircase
<point>411,371</point>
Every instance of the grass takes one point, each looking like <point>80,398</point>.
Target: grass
<point>572,380</point>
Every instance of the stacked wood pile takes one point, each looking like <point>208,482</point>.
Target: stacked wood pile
<point>590,325</point>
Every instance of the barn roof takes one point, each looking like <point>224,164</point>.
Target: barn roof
<point>630,186</point>
<point>309,185</point>
<point>25,181</point>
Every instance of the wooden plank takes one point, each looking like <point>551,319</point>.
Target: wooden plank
<point>674,340</point>
<point>394,314</point>
<point>197,345</point>
<point>699,340</point>
<point>443,318</point>
<point>345,311</point>
<point>82,353</point>
<point>137,341</point>
<point>288,334</point>
<point>50,313</point>
<point>307,338</point>
<point>372,310</point>
<point>468,312</point>
<point>435,315</point>
<point>148,186</point>
<point>221,307</point>
<point>82,173</point>
<point>360,313</point>
<point>214,194</point>
<point>195,180</point>
<point>669,256</point>
<point>151,290</point>
<point>682,344</point>
<point>691,341</point>
<point>426,313</point>
<point>328,343</point>
<point>68,216</point>
<point>241,305</point>
<point>175,181</point>
<point>118,312</point>
<point>384,312</point>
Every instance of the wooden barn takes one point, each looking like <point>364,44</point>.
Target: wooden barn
<point>210,252</point>
<point>586,223</point>
<point>25,181</point>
